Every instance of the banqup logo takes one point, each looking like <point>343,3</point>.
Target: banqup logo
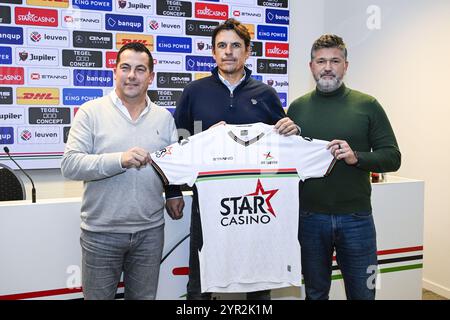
<point>37,17</point>
<point>277,16</point>
<point>6,135</point>
<point>11,35</point>
<point>283,99</point>
<point>76,97</point>
<point>124,23</point>
<point>92,78</point>
<point>5,55</point>
<point>101,5</point>
<point>198,63</point>
<point>272,33</point>
<point>173,44</point>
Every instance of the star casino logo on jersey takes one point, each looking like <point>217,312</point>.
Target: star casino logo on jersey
<point>252,208</point>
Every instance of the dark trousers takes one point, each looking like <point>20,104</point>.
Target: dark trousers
<point>196,242</point>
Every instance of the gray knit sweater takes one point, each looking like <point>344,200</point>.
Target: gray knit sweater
<point>116,199</point>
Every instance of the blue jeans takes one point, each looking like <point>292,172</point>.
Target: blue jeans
<point>195,243</point>
<point>106,255</point>
<point>353,237</point>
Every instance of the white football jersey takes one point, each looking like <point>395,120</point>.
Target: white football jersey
<point>247,180</point>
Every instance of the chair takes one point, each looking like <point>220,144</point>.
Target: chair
<point>11,185</point>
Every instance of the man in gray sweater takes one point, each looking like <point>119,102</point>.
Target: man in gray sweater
<point>122,228</point>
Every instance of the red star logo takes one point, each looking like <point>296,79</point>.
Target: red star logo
<point>260,190</point>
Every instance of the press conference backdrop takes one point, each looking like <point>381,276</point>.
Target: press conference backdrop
<point>57,54</point>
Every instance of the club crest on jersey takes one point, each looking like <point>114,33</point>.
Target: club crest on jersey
<point>252,208</point>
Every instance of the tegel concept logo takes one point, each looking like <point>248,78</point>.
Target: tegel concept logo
<point>5,55</point>
<point>252,208</point>
<point>273,3</point>
<point>76,97</point>
<point>49,115</point>
<point>101,5</point>
<point>37,17</point>
<point>11,35</point>
<point>93,78</point>
<point>124,23</point>
<point>82,58</point>
<point>277,16</point>
<point>256,49</point>
<point>173,44</point>
<point>198,63</point>
<point>272,33</point>
<point>173,8</point>
<point>6,135</point>
<point>164,98</point>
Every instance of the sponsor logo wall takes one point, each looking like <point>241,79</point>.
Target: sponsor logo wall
<point>56,55</point>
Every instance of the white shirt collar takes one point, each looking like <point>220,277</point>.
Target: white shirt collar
<point>230,86</point>
<point>118,103</point>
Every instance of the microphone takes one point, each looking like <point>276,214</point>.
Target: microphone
<point>33,190</point>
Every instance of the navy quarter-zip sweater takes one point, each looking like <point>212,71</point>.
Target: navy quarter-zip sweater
<point>209,101</point>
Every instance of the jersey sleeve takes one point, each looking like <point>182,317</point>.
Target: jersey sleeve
<point>174,163</point>
<point>312,159</point>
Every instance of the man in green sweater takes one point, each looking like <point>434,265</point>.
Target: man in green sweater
<point>336,212</point>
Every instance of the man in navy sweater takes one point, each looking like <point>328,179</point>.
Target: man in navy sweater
<point>232,96</point>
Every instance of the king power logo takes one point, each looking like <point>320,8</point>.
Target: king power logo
<point>252,208</point>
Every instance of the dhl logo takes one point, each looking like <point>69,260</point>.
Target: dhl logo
<point>124,38</point>
<point>200,75</point>
<point>49,3</point>
<point>251,30</point>
<point>33,96</point>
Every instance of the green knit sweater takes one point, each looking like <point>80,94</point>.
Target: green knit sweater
<point>360,120</point>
